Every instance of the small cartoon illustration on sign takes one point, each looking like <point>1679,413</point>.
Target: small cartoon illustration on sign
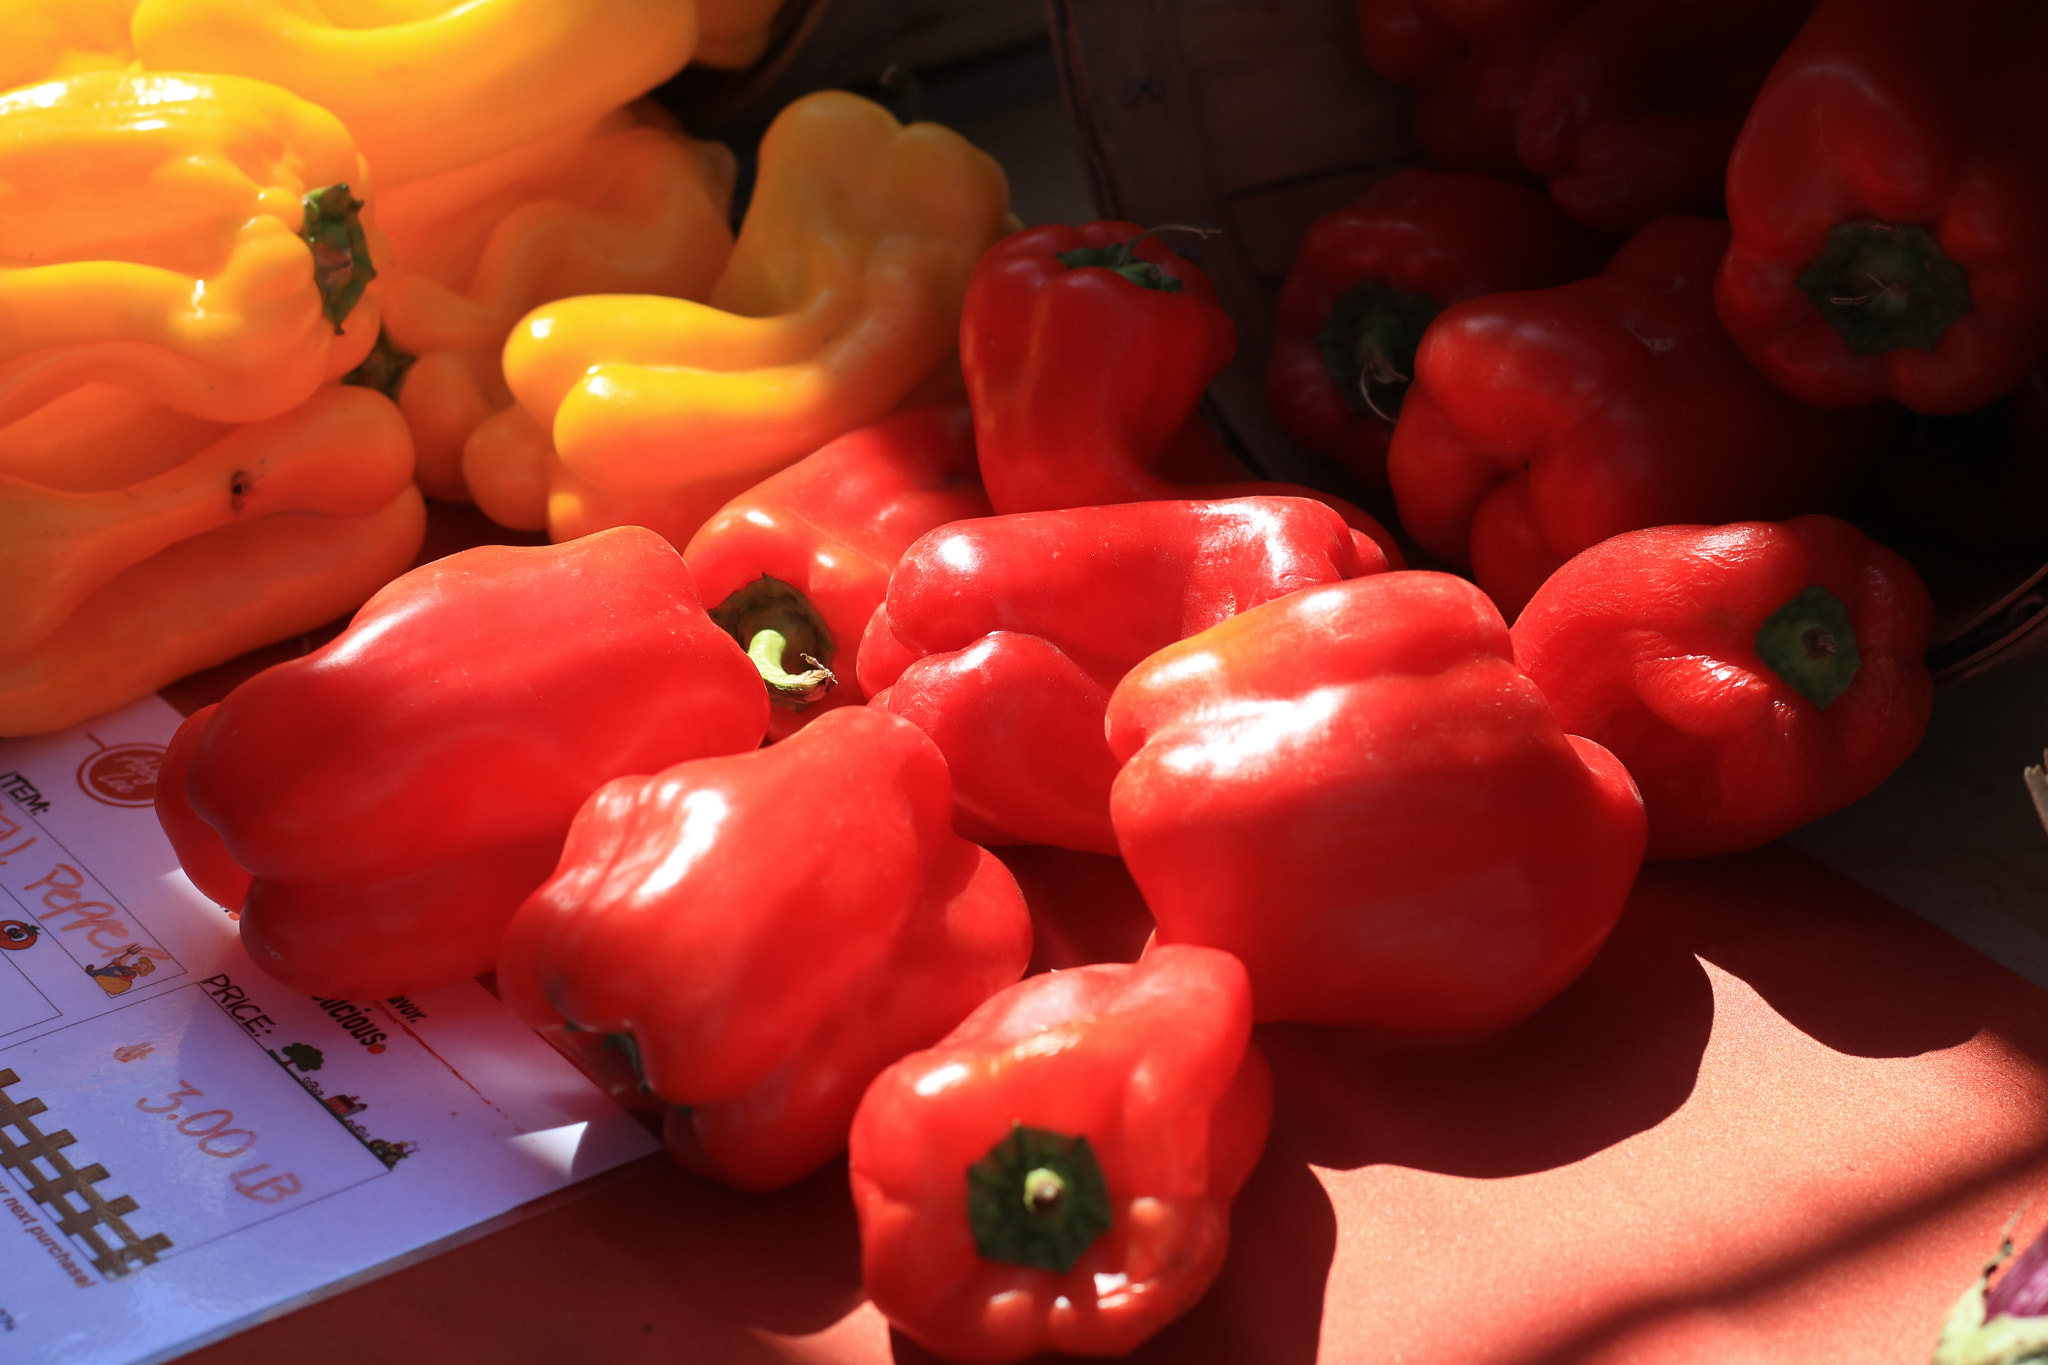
<point>122,774</point>
<point>16,935</point>
<point>344,1106</point>
<point>119,971</point>
<point>304,1056</point>
<point>391,1153</point>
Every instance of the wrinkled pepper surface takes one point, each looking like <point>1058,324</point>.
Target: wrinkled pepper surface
<point>141,545</point>
<point>199,239</point>
<point>1057,1173</point>
<point>631,207</point>
<point>1889,197</point>
<point>842,293</point>
<point>1369,277</point>
<point>1356,791</point>
<point>1543,422</point>
<point>795,566</point>
<point>430,85</point>
<point>1085,350</point>
<point>1002,638</point>
<point>397,793</point>
<point>1751,677</point>
<point>766,951</point>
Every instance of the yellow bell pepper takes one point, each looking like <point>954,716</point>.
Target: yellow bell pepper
<point>633,206</point>
<point>429,85</point>
<point>224,540</point>
<point>190,237</point>
<point>51,38</point>
<point>843,293</point>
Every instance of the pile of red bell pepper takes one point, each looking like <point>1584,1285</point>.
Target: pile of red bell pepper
<point>722,820</point>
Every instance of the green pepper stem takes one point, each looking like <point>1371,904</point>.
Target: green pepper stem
<point>1122,258</point>
<point>1038,1198</point>
<point>1886,286</point>
<point>1811,644</point>
<point>333,231</point>
<point>766,649</point>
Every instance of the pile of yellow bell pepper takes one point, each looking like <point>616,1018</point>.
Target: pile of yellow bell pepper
<point>271,269</point>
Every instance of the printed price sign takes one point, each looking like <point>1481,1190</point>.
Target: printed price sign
<point>185,1143</point>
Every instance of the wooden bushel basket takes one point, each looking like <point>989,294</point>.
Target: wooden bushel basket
<point>1258,116</point>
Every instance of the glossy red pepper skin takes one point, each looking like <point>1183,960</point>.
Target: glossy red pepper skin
<point>833,525</point>
<point>1543,422</point>
<point>1356,791</point>
<point>1647,645</point>
<point>1153,1064</point>
<point>396,794</point>
<point>1632,106</point>
<point>769,948</point>
<point>1081,380</point>
<point>1002,638</point>
<point>1914,112</point>
<point>1440,238</point>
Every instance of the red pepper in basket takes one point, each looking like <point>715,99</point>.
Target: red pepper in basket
<point>1889,196</point>
<point>764,932</point>
<point>1001,638</point>
<point>396,794</point>
<point>1368,278</point>
<point>1356,791</point>
<point>1057,1172</point>
<point>798,563</point>
<point>1544,422</point>
<point>1751,677</point>
<point>1085,351</point>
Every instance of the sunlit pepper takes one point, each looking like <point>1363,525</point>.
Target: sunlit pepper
<point>428,85</point>
<point>138,545</point>
<point>51,38</point>
<point>842,293</point>
<point>634,206</point>
<point>195,238</point>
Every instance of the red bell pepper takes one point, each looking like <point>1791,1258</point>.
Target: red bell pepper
<point>798,563</point>
<point>1751,677</point>
<point>1632,106</point>
<point>1469,62</point>
<point>1057,1172</point>
<point>1544,422</point>
<point>765,949</point>
<point>1889,196</point>
<point>1001,638</point>
<point>1085,351</point>
<point>395,794</point>
<point>1356,791</point>
<point>1368,278</point>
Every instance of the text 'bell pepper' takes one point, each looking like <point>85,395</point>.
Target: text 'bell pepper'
<point>1889,197</point>
<point>1002,638</point>
<point>770,930</point>
<point>1368,278</point>
<point>1056,1174</point>
<point>433,84</point>
<point>394,795</point>
<point>631,207</point>
<point>1751,677</point>
<point>806,554</point>
<point>1086,350</point>
<point>138,545</point>
<point>196,238</point>
<point>842,293</point>
<point>1543,422</point>
<point>1356,791</point>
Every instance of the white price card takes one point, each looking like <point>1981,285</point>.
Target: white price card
<point>187,1145</point>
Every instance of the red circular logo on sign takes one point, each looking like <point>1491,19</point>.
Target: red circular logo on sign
<point>124,775</point>
<point>16,934</point>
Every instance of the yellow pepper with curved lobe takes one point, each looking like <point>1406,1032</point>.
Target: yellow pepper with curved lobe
<point>110,589</point>
<point>633,206</point>
<point>429,85</point>
<point>51,38</point>
<point>161,233</point>
<point>842,294</point>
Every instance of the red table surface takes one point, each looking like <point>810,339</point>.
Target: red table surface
<point>1778,1120</point>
